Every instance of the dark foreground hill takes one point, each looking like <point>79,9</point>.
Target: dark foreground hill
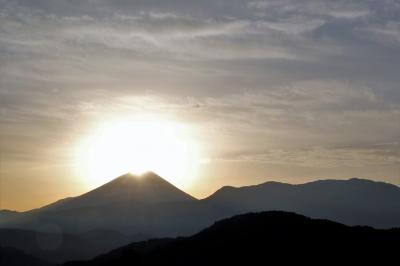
<point>262,238</point>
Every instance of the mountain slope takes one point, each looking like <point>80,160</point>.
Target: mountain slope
<point>129,204</point>
<point>7,215</point>
<point>353,202</point>
<point>265,238</point>
<point>148,188</point>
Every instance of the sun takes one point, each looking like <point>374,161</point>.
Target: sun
<point>137,146</point>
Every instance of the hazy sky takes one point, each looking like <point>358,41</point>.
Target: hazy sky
<point>286,90</point>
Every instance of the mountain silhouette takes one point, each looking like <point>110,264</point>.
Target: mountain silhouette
<point>148,188</point>
<point>139,207</point>
<point>150,205</point>
<point>272,238</point>
<point>129,204</point>
<point>353,202</point>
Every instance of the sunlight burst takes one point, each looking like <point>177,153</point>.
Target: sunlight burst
<point>138,146</point>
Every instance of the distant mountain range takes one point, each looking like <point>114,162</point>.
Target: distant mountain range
<point>139,207</point>
<point>271,238</point>
<point>353,202</point>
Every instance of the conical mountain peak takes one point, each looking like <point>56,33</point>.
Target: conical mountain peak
<point>147,188</point>
<point>129,178</point>
<point>137,184</point>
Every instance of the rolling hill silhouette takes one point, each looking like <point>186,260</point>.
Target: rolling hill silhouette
<point>262,238</point>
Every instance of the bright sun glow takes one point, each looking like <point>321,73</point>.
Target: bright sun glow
<point>138,146</point>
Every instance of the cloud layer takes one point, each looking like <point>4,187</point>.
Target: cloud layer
<point>309,83</point>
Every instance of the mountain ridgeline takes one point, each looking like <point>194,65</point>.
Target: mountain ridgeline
<point>133,208</point>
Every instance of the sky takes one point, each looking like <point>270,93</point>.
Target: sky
<point>284,90</point>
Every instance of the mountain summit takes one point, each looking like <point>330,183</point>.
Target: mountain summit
<point>148,188</point>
